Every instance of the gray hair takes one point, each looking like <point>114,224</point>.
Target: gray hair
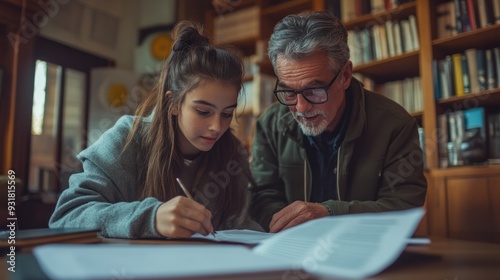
<point>297,36</point>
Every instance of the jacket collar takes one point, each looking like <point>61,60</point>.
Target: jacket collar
<point>288,125</point>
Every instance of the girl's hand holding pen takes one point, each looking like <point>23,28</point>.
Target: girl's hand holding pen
<point>182,217</point>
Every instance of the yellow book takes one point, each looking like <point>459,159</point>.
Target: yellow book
<point>457,74</point>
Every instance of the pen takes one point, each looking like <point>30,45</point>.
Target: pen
<point>186,192</point>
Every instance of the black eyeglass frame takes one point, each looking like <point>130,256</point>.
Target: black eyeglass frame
<point>325,88</point>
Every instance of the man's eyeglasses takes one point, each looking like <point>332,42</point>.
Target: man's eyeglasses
<point>315,95</point>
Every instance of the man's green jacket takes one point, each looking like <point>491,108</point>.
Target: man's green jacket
<point>380,162</point>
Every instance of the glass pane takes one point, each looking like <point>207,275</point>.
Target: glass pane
<point>44,127</point>
<point>72,124</point>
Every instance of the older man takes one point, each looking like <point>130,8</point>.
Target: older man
<point>329,147</point>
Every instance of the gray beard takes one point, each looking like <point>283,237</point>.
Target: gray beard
<point>313,130</point>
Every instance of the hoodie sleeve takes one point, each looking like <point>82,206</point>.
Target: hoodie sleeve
<point>105,195</point>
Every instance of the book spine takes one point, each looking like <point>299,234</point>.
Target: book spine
<point>376,42</point>
<point>458,16</point>
<point>366,6</point>
<point>452,152</point>
<point>334,7</point>
<point>496,11</point>
<point>460,123</point>
<point>474,119</point>
<point>357,47</point>
<point>496,53</point>
<point>490,12</point>
<point>443,140</point>
<point>453,18</point>
<point>417,91</point>
<point>472,14</point>
<point>457,74</point>
<point>397,38</point>
<point>464,15</point>
<point>481,69</point>
<point>465,73</point>
<point>490,70</point>
<point>388,4</point>
<point>377,5</point>
<point>449,75</point>
<point>472,69</point>
<point>414,32</point>
<point>383,41</point>
<point>357,8</point>
<point>367,45</point>
<point>406,36</point>
<point>444,79</point>
<point>389,28</point>
<point>436,79</point>
<point>483,18</point>
<point>408,97</point>
<point>348,10</point>
<point>494,137</point>
<point>421,140</point>
<point>442,19</point>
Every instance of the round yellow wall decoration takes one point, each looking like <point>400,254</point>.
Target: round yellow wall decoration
<point>117,95</point>
<point>161,45</point>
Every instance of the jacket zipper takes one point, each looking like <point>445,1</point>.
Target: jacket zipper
<point>305,180</point>
<point>338,174</point>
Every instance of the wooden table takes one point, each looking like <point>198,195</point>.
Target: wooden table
<point>443,259</point>
<point>446,259</point>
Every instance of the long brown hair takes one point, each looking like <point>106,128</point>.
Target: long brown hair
<point>192,62</point>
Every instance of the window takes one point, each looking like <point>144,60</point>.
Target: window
<point>59,114</point>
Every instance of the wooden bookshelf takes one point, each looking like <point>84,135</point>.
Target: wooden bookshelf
<point>486,37</point>
<point>482,98</point>
<point>393,68</point>
<point>448,186</point>
<point>400,12</point>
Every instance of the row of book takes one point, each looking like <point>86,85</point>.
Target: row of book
<point>251,66</point>
<point>407,92</point>
<point>383,41</point>
<point>467,137</point>
<point>473,71</point>
<point>256,94</point>
<point>459,16</point>
<point>350,9</point>
<point>243,24</point>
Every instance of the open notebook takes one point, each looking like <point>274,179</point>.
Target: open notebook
<point>253,237</point>
<point>241,236</point>
<point>357,245</point>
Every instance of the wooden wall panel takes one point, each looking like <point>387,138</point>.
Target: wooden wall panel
<point>469,209</point>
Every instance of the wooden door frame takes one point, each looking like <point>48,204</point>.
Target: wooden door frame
<point>67,57</point>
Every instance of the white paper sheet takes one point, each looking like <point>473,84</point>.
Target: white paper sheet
<point>118,261</point>
<point>350,246</point>
<point>356,246</point>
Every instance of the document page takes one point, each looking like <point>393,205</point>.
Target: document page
<point>244,236</point>
<point>356,245</point>
<point>126,261</point>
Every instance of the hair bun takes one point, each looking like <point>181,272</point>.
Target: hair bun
<point>187,35</point>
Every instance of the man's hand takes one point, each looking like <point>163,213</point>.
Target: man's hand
<point>296,213</point>
<point>182,217</point>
